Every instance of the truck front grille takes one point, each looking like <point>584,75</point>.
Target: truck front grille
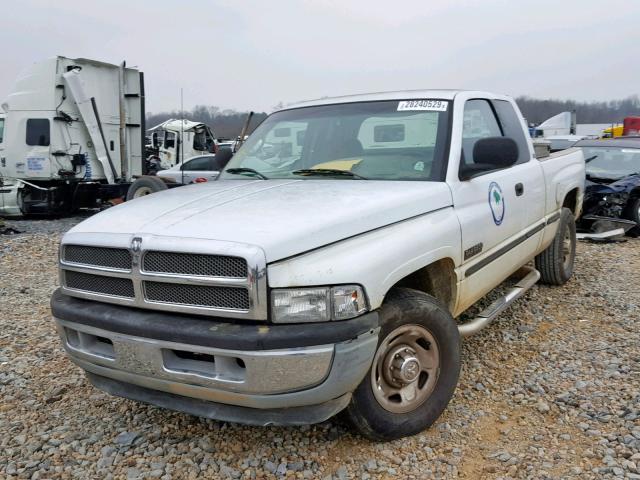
<point>194,264</point>
<point>118,258</point>
<point>113,286</point>
<point>193,279</point>
<point>197,295</point>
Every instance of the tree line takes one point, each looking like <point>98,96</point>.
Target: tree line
<point>612,111</point>
<point>228,123</point>
<point>224,123</point>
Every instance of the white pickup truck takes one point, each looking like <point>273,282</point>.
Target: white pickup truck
<point>325,268</point>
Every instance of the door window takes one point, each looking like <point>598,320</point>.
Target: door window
<point>169,140</point>
<point>512,128</point>
<point>479,122</point>
<point>203,141</point>
<point>198,163</point>
<point>1,129</point>
<point>156,139</point>
<point>38,132</point>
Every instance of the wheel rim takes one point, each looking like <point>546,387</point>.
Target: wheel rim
<point>142,191</point>
<point>405,369</point>
<point>567,249</point>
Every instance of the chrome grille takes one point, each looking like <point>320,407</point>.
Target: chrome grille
<point>194,264</point>
<point>118,258</point>
<point>186,275</point>
<point>197,295</point>
<point>115,286</point>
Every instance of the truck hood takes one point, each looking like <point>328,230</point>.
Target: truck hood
<point>283,217</point>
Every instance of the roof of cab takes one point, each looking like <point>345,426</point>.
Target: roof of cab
<point>378,96</point>
<point>177,125</point>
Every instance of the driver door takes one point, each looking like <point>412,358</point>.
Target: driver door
<point>492,209</point>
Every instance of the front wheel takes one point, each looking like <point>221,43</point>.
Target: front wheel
<point>633,213</point>
<point>633,210</point>
<point>555,264</point>
<point>414,371</point>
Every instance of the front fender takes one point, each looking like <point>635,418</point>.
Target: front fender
<point>376,260</point>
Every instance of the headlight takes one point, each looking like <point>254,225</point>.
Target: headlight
<point>618,198</point>
<point>615,198</point>
<point>319,304</point>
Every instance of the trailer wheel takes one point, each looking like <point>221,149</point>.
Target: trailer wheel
<point>555,264</point>
<point>414,371</point>
<point>145,186</point>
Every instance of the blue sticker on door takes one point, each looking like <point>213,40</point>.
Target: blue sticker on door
<point>496,202</point>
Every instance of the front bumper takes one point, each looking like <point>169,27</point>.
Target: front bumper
<point>220,411</point>
<point>289,374</point>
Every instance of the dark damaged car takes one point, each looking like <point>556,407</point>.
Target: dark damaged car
<point>612,194</point>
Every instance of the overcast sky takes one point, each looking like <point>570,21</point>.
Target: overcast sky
<point>255,54</point>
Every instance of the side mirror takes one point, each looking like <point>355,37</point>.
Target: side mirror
<point>491,153</point>
<point>222,157</point>
<point>498,152</point>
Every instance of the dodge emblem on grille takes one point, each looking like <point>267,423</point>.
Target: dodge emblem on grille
<point>136,248</point>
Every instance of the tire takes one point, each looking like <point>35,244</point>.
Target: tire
<point>555,264</point>
<point>381,417</point>
<point>145,186</point>
<point>633,210</point>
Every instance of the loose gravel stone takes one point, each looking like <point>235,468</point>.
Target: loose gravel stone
<point>550,390</point>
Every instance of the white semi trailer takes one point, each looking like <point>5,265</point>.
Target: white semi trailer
<point>72,135</point>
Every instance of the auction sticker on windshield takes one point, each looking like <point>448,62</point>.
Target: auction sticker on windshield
<point>429,105</point>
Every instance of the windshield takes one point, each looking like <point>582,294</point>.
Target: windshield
<point>388,140</point>
<point>612,162</point>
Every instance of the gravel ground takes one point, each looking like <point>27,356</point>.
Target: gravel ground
<point>552,390</point>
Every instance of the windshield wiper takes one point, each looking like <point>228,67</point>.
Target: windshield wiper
<point>587,160</point>
<point>327,172</point>
<point>242,170</point>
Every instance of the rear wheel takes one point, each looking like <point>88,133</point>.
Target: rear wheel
<point>555,264</point>
<point>145,186</point>
<point>414,371</point>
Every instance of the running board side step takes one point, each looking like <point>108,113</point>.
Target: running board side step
<point>530,277</point>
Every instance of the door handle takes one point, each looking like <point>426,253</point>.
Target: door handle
<point>519,189</point>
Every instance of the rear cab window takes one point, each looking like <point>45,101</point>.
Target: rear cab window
<point>402,143</point>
